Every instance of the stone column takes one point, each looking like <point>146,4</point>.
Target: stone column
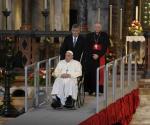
<point>37,17</point>
<point>92,14</point>
<point>66,11</point>
<point>52,15</point>
<point>16,14</point>
<point>46,17</point>
<point>104,9</point>
<point>26,14</point>
<point>10,18</point>
<point>83,14</point>
<point>58,15</point>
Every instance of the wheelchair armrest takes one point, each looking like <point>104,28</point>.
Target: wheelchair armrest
<point>80,79</point>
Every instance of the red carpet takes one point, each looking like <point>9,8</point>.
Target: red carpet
<point>120,112</point>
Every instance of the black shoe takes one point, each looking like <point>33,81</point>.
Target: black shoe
<point>101,89</point>
<point>69,102</point>
<point>56,103</point>
<point>90,93</point>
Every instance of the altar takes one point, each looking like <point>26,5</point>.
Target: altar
<point>136,44</point>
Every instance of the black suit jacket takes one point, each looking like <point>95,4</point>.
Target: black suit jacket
<point>68,45</point>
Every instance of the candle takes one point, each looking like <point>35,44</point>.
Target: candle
<point>45,4</point>
<point>99,14</point>
<point>110,20</point>
<point>136,13</point>
<point>7,4</point>
<point>120,24</point>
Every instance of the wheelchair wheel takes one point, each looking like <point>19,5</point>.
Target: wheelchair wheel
<point>81,94</point>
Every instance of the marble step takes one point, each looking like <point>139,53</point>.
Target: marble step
<point>144,83</point>
<point>142,115</point>
<point>144,91</point>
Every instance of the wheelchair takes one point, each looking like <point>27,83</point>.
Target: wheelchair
<point>81,94</point>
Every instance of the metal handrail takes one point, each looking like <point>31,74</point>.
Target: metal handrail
<point>106,67</point>
<point>113,64</point>
<point>36,70</point>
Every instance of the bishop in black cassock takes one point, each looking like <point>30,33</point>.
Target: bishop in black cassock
<point>96,49</point>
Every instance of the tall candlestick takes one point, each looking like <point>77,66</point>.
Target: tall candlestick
<point>136,13</point>
<point>45,4</point>
<point>120,24</point>
<point>99,14</point>
<point>110,20</point>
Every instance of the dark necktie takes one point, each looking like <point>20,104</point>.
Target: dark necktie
<point>74,41</point>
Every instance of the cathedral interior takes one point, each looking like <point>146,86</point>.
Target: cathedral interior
<point>26,18</point>
<point>37,28</point>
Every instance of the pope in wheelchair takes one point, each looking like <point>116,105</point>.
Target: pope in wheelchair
<point>65,88</point>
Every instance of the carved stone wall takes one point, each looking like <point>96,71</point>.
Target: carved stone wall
<point>25,47</point>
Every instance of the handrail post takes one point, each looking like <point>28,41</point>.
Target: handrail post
<point>26,89</point>
<point>135,71</point>
<point>36,84</point>
<point>129,69</point>
<point>47,78</point>
<point>122,85</point>
<point>114,79</point>
<point>49,61</point>
<point>38,81</point>
<point>106,87</point>
<point>97,91</point>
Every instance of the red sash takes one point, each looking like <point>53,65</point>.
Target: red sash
<point>101,62</point>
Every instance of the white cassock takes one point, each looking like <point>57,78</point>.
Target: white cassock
<point>63,87</point>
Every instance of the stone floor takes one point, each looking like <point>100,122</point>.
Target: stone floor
<point>4,120</point>
<point>142,115</point>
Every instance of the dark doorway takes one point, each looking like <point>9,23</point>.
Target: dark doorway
<point>18,93</point>
<point>73,17</point>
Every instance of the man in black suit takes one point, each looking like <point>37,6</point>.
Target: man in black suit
<point>74,42</point>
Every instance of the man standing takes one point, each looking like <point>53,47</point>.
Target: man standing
<point>74,42</point>
<point>97,46</point>
<point>65,87</point>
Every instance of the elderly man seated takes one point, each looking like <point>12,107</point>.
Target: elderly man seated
<point>65,89</point>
